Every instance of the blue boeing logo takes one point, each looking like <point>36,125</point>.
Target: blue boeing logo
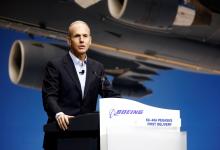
<point>114,112</point>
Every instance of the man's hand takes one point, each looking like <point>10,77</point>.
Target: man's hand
<point>63,121</point>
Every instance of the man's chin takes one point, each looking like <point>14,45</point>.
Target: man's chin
<point>82,52</point>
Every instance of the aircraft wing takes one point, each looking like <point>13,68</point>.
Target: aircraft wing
<point>164,34</point>
<point>28,58</point>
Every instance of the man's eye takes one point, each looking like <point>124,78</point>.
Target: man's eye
<point>77,36</point>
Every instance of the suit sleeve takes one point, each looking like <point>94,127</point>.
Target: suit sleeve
<point>50,90</point>
<point>106,89</point>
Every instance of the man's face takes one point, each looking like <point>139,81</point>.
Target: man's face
<point>79,38</point>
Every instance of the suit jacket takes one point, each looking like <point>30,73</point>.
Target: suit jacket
<point>61,90</point>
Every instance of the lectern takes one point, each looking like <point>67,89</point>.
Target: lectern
<point>129,125</point>
<point>82,134</point>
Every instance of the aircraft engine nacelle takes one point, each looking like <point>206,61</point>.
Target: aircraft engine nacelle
<point>158,14</point>
<point>27,61</point>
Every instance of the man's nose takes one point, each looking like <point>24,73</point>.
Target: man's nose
<point>81,39</point>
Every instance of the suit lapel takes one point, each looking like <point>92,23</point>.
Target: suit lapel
<point>89,76</point>
<point>71,70</point>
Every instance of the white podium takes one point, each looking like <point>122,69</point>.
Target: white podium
<point>130,125</point>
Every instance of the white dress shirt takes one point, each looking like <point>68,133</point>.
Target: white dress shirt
<point>80,69</point>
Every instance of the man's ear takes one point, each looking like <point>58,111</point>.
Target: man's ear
<point>90,40</point>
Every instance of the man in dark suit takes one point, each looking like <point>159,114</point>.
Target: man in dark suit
<point>72,83</point>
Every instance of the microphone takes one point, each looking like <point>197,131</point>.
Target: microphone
<point>104,81</point>
<point>82,72</point>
